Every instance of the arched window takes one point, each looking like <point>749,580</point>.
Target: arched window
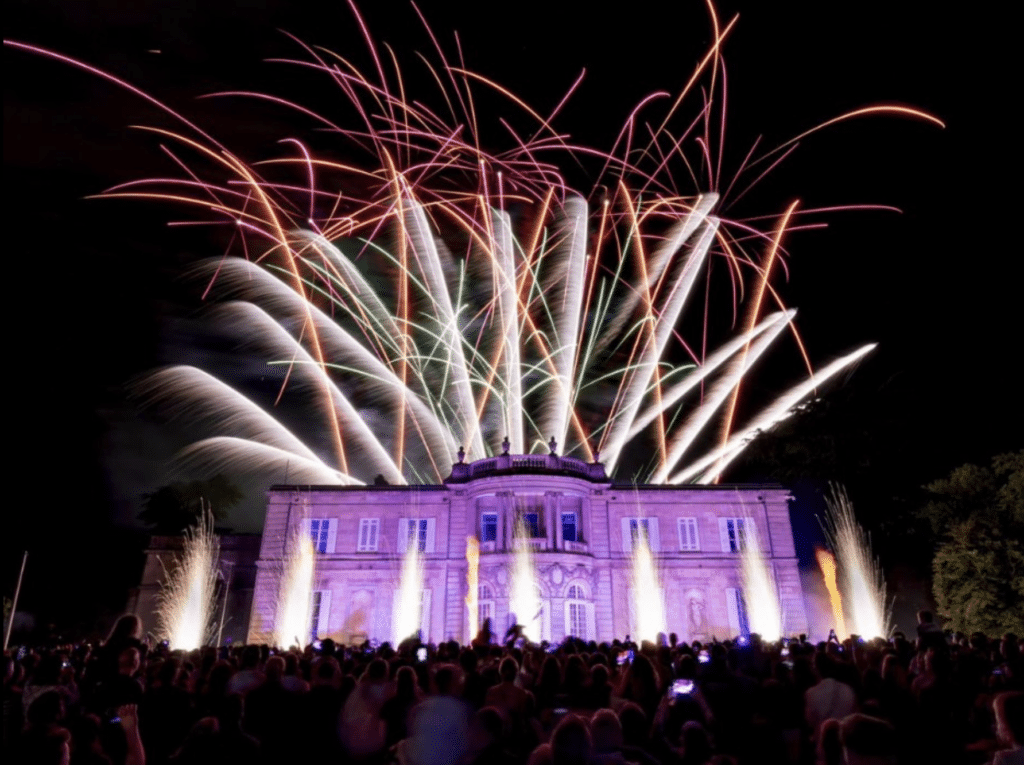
<point>485,604</point>
<point>579,613</point>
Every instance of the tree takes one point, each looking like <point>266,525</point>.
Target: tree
<point>172,509</point>
<point>977,513</point>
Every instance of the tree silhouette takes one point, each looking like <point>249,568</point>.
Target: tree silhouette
<point>173,508</point>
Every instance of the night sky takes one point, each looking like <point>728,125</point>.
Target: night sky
<point>95,289</point>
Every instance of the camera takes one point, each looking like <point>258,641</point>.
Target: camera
<point>421,654</point>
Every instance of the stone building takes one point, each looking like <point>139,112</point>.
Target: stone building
<point>579,525</point>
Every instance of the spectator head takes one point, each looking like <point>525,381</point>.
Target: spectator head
<point>491,724</point>
<point>376,671</point>
<point>274,669</point>
<point>634,724</point>
<point>46,709</point>
<point>446,680</point>
<point>606,731</point>
<point>696,743</point>
<point>867,740</point>
<point>571,743</point>
<point>925,616</point>
<point>251,657</point>
<point>508,669</point>
<point>824,665</point>
<point>830,748</point>
<point>1009,712</point>
<point>540,756</point>
<point>405,682</point>
<point>129,661</point>
<point>127,627</point>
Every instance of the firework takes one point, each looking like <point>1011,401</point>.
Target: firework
<point>186,600</point>
<point>295,598</point>
<point>860,575</point>
<point>759,591</point>
<point>442,295</point>
<point>648,604</point>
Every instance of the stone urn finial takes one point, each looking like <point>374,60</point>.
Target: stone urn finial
<point>505,446</point>
<point>462,455</point>
<point>553,445</point>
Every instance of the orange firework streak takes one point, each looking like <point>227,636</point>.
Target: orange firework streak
<point>827,564</point>
<point>472,582</point>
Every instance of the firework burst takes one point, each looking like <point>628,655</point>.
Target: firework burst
<point>443,295</point>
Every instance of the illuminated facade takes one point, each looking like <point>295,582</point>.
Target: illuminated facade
<point>581,529</point>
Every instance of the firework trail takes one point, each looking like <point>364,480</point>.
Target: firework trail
<point>441,294</point>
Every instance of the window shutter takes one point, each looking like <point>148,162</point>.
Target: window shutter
<point>732,598</point>
<point>653,536</point>
<point>332,535</point>
<point>322,623</point>
<point>425,616</point>
<point>723,532</point>
<point>374,534</point>
<point>431,523</point>
<point>364,532</point>
<point>403,534</point>
<point>627,538</point>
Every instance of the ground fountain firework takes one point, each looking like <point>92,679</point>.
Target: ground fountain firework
<point>441,294</point>
<point>408,610</point>
<point>760,594</point>
<point>525,602</point>
<point>861,582</point>
<point>187,597</point>
<point>648,602</point>
<point>295,598</point>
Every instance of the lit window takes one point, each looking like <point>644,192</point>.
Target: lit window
<point>485,604</point>
<point>635,529</point>
<point>570,529</point>
<point>320,606</point>
<point>688,539</point>
<point>733,533</point>
<point>578,613</point>
<point>322,531</point>
<point>418,532</point>
<point>488,527</point>
<point>369,533</point>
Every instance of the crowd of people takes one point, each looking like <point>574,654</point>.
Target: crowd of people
<point>937,698</point>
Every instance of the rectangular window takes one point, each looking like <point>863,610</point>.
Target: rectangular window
<point>489,527</point>
<point>416,531</point>
<point>320,607</point>
<point>733,533</point>
<point>570,528</point>
<point>635,529</point>
<point>739,623</point>
<point>323,531</point>
<point>578,620</point>
<point>369,533</point>
<point>532,523</point>
<point>688,539</point>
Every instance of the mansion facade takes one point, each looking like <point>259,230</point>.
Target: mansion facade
<point>580,527</point>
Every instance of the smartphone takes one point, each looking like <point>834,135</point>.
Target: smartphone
<point>784,652</point>
<point>625,657</point>
<point>704,657</point>
<point>317,645</point>
<point>421,654</point>
<point>682,688</point>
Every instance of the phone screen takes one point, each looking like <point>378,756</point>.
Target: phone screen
<point>682,687</point>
